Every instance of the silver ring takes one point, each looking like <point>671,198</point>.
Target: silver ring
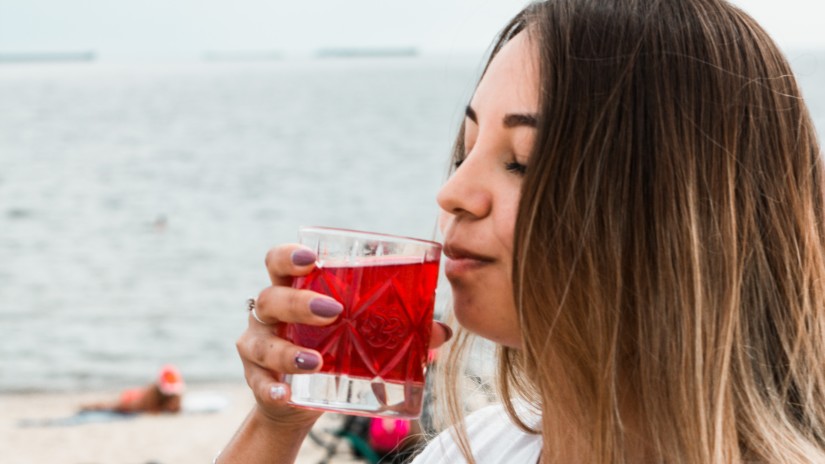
<point>250,305</point>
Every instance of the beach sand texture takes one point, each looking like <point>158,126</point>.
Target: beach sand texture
<point>158,439</point>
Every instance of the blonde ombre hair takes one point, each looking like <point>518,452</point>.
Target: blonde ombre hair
<point>669,263</point>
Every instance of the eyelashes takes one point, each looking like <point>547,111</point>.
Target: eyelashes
<point>510,166</point>
<point>516,167</point>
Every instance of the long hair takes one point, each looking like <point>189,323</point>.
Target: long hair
<point>669,255</point>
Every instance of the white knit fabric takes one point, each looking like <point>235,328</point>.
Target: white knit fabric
<point>494,439</point>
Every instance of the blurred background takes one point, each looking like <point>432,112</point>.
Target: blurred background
<point>152,152</point>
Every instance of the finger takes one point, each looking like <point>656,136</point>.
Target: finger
<point>287,261</point>
<point>277,355</point>
<point>272,397</point>
<point>286,304</point>
<point>267,388</point>
<point>440,334</point>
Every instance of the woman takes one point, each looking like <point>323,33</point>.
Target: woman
<point>165,394</point>
<point>636,219</point>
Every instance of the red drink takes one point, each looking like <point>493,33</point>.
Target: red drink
<point>384,330</point>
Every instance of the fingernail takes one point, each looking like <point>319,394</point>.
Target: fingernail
<point>325,307</point>
<point>303,257</point>
<point>447,329</point>
<point>307,361</point>
<point>277,392</point>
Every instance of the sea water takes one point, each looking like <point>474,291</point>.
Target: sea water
<point>138,201</point>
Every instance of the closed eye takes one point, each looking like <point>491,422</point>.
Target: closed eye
<point>516,167</point>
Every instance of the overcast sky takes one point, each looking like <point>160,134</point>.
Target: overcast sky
<point>113,27</point>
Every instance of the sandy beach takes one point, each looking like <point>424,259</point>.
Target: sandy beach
<point>29,435</point>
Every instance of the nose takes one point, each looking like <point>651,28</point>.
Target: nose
<point>466,192</point>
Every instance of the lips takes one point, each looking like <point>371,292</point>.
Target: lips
<point>461,260</point>
<point>456,252</point>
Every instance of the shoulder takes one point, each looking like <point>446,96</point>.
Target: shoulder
<point>493,439</point>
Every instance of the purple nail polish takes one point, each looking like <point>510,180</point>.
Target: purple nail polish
<point>307,361</point>
<point>325,307</point>
<point>303,257</point>
<point>447,329</point>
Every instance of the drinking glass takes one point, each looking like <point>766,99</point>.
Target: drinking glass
<point>375,353</point>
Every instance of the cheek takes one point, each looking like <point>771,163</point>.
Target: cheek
<point>443,221</point>
<point>506,225</point>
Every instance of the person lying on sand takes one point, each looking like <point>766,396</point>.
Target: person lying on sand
<point>162,395</point>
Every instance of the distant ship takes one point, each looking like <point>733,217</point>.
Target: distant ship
<point>366,52</point>
<point>27,57</point>
<point>242,55</point>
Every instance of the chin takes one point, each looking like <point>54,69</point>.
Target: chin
<point>477,320</point>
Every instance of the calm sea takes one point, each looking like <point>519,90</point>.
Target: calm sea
<point>137,201</point>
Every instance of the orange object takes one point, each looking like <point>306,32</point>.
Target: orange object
<point>131,396</point>
<point>170,381</point>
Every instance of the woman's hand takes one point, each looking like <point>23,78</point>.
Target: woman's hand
<point>265,355</point>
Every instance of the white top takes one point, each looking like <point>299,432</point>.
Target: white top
<point>493,439</point>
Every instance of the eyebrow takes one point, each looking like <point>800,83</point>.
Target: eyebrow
<point>509,121</point>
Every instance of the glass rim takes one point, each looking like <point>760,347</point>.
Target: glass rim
<point>339,231</point>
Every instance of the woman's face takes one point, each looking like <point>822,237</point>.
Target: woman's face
<point>480,200</point>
